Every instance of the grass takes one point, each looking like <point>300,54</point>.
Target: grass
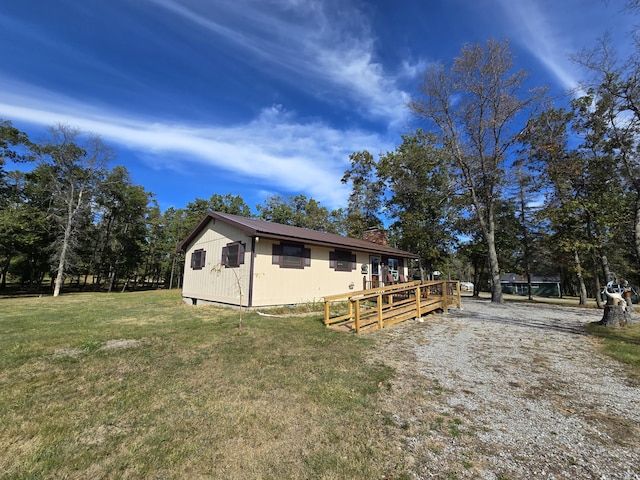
<point>140,385</point>
<point>623,344</point>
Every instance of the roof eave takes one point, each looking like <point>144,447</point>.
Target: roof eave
<point>253,232</point>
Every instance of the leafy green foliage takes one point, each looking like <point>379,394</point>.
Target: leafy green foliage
<point>233,204</point>
<point>421,199</point>
<point>365,199</point>
<point>300,211</point>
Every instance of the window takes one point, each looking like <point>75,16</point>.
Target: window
<point>233,255</point>
<point>198,259</point>
<point>290,255</point>
<point>342,261</point>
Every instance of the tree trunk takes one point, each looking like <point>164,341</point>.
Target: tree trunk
<point>606,271</point>
<point>596,278</point>
<point>494,269</point>
<point>636,225</point>
<point>5,269</point>
<point>616,316</point>
<point>173,266</point>
<point>63,257</point>
<point>583,288</point>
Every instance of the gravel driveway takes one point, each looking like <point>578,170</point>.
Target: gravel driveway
<point>510,392</point>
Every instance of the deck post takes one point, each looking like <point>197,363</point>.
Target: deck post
<point>350,308</point>
<point>418,313</point>
<point>445,301</point>
<point>357,315</point>
<point>326,312</point>
<point>458,295</point>
<point>379,305</point>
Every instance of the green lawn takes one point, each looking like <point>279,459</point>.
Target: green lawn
<point>623,344</point>
<point>140,385</point>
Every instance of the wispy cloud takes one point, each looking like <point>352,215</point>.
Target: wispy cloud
<point>317,46</point>
<point>555,31</point>
<point>535,31</point>
<point>273,149</point>
<point>324,49</point>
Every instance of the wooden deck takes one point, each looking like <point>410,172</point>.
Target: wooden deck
<point>384,306</point>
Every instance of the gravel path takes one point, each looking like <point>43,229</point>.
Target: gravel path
<point>510,392</point>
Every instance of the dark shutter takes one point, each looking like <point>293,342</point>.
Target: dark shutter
<point>306,253</point>
<point>241,249</point>
<point>193,260</point>
<point>276,251</point>
<point>332,260</point>
<point>225,256</point>
<point>352,259</point>
<point>203,259</point>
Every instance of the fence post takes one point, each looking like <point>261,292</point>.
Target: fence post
<point>357,315</point>
<point>379,305</point>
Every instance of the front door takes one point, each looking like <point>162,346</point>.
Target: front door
<point>375,272</point>
<point>394,269</point>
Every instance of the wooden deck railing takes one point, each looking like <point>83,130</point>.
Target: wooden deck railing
<point>381,307</point>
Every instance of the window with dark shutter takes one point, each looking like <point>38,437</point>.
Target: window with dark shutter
<point>198,259</point>
<point>342,261</point>
<point>290,255</point>
<point>233,255</point>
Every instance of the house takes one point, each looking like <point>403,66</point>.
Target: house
<point>265,263</point>
<point>540,286</point>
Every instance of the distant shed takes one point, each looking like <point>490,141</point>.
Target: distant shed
<point>541,286</point>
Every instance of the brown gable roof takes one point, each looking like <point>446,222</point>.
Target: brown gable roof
<point>260,228</point>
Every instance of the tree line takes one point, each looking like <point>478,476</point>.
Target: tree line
<point>69,218</point>
<point>498,178</point>
<point>502,178</point>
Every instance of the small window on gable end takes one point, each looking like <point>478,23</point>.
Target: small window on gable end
<point>233,255</point>
<point>342,261</point>
<point>198,259</point>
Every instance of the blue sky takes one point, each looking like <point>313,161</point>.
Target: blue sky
<point>263,97</point>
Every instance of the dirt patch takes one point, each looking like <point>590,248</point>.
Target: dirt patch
<point>514,391</point>
<point>116,344</point>
<point>120,343</point>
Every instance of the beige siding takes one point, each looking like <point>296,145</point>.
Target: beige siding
<point>213,283</point>
<point>276,286</point>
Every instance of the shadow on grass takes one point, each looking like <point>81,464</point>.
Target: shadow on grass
<point>629,334</point>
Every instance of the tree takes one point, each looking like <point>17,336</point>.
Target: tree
<point>548,168</point>
<point>474,106</point>
<point>365,199</point>
<point>524,181</point>
<point>614,93</point>
<point>300,211</point>
<point>598,187</point>
<point>175,227</point>
<point>233,204</point>
<point>122,207</point>
<point>420,201</point>
<point>74,164</point>
<point>14,146</point>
